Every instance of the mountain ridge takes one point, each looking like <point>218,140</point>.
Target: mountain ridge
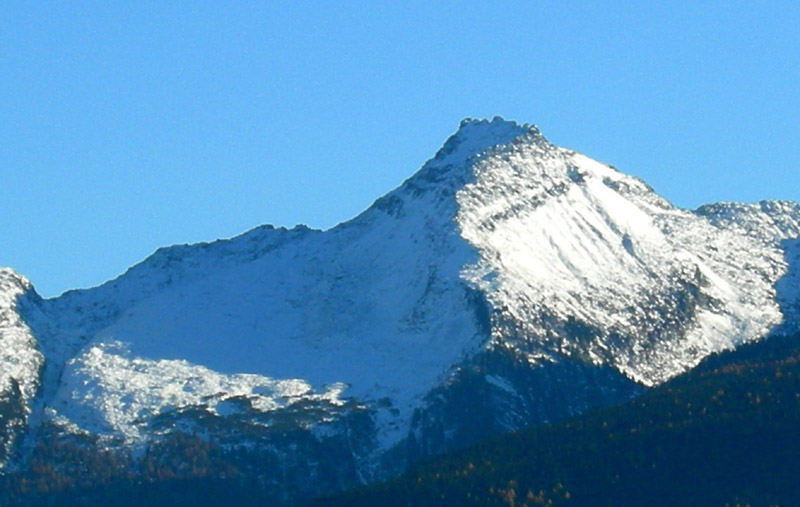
<point>508,282</point>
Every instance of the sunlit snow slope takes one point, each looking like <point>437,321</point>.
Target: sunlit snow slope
<point>574,260</point>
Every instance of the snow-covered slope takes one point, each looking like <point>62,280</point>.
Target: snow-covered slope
<point>20,360</point>
<point>564,238</point>
<point>501,242</point>
<point>20,363</point>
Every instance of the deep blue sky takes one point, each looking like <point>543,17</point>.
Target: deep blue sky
<point>136,125</point>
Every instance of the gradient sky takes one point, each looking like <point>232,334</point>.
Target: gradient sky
<point>135,125</point>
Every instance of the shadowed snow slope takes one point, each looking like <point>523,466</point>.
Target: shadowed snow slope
<point>501,241</point>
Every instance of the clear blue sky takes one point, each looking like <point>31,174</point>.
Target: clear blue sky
<point>134,125</point>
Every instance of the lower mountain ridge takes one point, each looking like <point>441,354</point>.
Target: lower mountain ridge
<point>722,434</point>
<point>508,283</point>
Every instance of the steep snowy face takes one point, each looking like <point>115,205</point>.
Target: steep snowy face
<point>771,223</point>
<point>20,359</point>
<point>20,363</point>
<point>580,260</point>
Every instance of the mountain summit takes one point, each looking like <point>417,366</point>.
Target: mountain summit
<point>508,282</point>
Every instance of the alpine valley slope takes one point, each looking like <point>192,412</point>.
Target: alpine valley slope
<point>506,283</point>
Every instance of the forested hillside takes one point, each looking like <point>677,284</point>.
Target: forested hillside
<point>727,433</point>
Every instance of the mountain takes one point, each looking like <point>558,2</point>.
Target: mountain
<point>722,434</point>
<point>508,282</point>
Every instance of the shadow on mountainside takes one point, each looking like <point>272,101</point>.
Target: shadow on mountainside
<point>788,288</point>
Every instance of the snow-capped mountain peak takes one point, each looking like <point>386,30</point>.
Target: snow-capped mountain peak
<point>474,137</point>
<point>508,278</point>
